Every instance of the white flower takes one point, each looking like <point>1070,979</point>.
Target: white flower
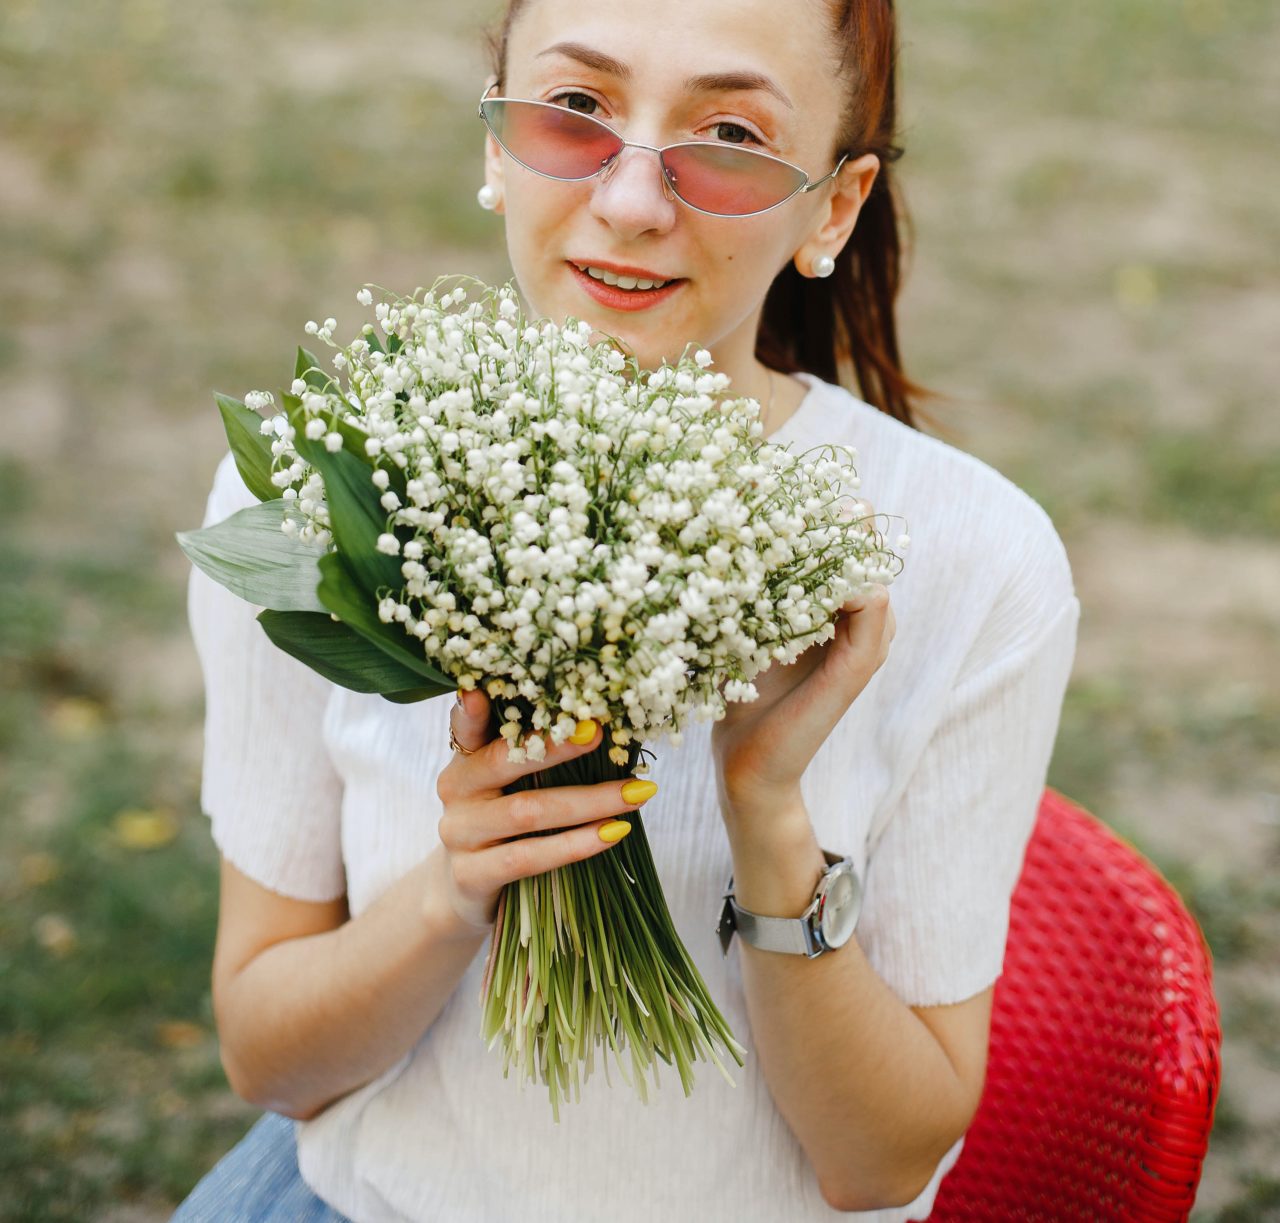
<point>582,541</point>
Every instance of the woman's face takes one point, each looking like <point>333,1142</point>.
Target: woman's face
<point>624,218</point>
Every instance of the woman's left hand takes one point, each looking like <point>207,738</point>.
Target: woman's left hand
<point>762,747</point>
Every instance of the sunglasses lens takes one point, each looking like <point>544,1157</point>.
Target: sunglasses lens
<point>551,139</point>
<point>727,180</point>
<point>720,178</point>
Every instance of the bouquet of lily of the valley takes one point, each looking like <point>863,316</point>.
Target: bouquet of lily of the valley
<point>474,499</point>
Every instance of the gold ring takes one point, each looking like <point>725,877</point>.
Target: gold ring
<point>456,746</point>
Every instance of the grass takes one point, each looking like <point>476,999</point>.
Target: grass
<point>182,187</point>
<point>1195,480</point>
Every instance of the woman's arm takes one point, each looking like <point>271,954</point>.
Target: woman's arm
<point>310,1019</point>
<point>865,1085</point>
<point>309,1009</point>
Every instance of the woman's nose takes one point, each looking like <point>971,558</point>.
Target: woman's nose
<point>632,193</point>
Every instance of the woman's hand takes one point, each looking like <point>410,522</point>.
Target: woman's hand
<point>762,747</point>
<point>484,832</point>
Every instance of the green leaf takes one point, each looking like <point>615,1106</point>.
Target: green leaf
<point>307,367</point>
<point>251,448</point>
<point>413,694</point>
<point>356,516</point>
<point>337,652</point>
<point>340,591</point>
<point>249,555</point>
<point>353,441</point>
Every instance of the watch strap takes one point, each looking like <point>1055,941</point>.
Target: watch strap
<point>788,934</point>
<point>791,934</point>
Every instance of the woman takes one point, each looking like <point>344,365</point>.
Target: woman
<point>360,878</point>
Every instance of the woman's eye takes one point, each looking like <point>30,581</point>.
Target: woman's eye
<point>736,127</point>
<point>585,97</point>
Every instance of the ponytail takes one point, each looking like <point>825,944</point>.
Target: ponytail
<point>843,326</point>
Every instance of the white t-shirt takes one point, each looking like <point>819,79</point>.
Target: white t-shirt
<point>313,790</point>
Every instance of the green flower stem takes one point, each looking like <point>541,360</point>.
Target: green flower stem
<point>587,955</point>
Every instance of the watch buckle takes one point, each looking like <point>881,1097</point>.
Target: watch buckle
<point>726,925</point>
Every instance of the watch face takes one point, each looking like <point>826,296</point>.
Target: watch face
<point>840,906</point>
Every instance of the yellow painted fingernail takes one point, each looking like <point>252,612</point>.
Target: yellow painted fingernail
<point>614,830</point>
<point>636,791</point>
<point>584,732</point>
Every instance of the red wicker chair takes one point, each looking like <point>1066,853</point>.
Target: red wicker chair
<point>1103,1070</point>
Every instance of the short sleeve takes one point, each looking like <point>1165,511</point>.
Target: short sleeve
<point>268,786</point>
<point>935,915</point>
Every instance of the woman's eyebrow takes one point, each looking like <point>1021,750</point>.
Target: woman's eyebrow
<point>705,82</point>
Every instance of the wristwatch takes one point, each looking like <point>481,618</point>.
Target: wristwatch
<point>826,924</point>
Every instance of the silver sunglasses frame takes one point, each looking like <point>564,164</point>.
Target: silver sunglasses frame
<point>808,184</point>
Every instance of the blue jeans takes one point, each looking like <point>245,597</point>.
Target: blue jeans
<point>257,1181</point>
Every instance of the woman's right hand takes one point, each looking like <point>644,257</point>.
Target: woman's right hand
<point>483,832</point>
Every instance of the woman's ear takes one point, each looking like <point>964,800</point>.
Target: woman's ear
<point>835,223</point>
<point>493,170</point>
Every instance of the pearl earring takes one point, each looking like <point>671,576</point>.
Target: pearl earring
<point>487,198</point>
<point>824,265</point>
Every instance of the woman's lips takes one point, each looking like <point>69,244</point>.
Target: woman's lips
<point>623,299</point>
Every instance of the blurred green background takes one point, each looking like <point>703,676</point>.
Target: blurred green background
<point>1094,188</point>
